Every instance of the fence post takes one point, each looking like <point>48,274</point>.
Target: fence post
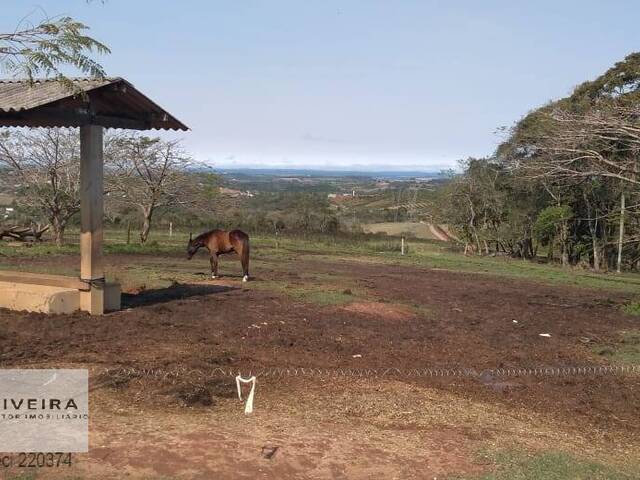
<point>402,246</point>
<point>170,229</point>
<point>128,232</point>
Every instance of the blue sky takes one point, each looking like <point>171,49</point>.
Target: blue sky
<point>351,83</point>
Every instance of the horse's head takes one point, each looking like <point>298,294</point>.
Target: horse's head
<point>192,247</point>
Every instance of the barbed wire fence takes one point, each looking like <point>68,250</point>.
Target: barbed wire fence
<point>122,373</point>
<point>251,375</point>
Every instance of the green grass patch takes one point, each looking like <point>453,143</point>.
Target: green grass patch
<point>434,257</point>
<point>373,249</point>
<point>46,269</point>
<point>632,308</point>
<point>316,294</point>
<point>627,351</point>
<point>548,466</point>
<point>36,249</point>
<point>149,248</point>
<point>322,297</point>
<point>432,254</point>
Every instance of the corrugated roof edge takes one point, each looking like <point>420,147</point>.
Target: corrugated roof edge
<point>102,82</point>
<point>73,79</point>
<point>154,104</point>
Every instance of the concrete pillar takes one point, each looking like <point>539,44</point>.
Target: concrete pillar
<point>91,213</point>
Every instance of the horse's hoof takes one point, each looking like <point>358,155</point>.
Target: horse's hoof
<point>245,278</point>
<point>213,277</point>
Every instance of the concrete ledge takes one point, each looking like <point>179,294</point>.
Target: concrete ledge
<point>38,298</point>
<point>42,279</point>
<point>34,297</point>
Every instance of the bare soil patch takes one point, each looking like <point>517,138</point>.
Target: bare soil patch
<point>474,321</point>
<point>382,310</point>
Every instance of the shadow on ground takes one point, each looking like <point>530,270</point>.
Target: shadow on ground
<point>174,292</point>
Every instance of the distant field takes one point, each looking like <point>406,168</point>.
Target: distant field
<point>424,231</point>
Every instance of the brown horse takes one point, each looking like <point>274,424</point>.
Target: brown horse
<point>219,242</point>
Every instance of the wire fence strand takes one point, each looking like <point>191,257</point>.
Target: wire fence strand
<point>391,372</point>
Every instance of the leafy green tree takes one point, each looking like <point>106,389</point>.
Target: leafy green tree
<point>552,224</point>
<point>46,48</point>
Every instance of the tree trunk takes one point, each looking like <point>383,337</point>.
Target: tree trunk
<point>564,240</point>
<point>621,235</point>
<point>58,226</point>
<point>472,227</point>
<point>528,248</point>
<point>60,237</point>
<point>596,254</point>
<point>593,231</point>
<point>478,247</point>
<point>604,266</point>
<point>146,224</point>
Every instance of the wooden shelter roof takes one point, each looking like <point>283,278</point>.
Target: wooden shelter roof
<point>109,102</point>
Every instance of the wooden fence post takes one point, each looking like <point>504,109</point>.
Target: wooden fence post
<point>91,213</point>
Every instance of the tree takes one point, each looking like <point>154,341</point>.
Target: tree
<point>584,150</point>
<point>48,46</point>
<point>44,165</point>
<point>552,224</point>
<point>148,174</point>
<point>488,209</point>
<point>599,143</point>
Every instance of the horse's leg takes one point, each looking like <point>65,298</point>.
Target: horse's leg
<point>214,265</point>
<point>244,259</point>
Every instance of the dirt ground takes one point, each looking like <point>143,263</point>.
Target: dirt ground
<point>191,425</point>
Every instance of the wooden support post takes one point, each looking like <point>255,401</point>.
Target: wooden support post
<point>91,212</point>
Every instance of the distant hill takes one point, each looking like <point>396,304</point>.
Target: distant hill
<point>301,172</point>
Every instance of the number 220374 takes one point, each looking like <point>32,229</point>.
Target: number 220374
<point>36,460</point>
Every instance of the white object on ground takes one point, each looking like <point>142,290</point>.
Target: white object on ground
<point>357,355</point>
<point>245,278</point>
<point>545,335</point>
<point>248,406</point>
